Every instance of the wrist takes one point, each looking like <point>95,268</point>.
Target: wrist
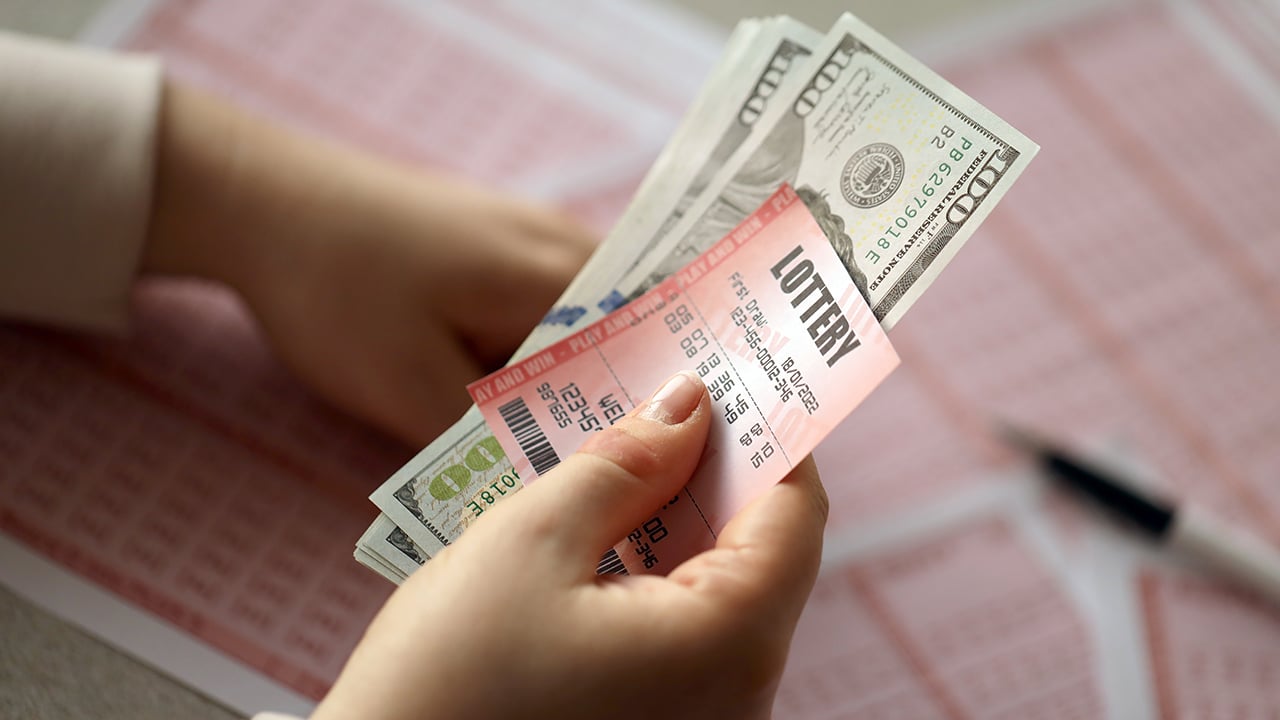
<point>243,202</point>
<point>238,200</point>
<point>189,233</point>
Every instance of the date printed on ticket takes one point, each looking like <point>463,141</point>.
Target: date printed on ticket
<point>767,317</point>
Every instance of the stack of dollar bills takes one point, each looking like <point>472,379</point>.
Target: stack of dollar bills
<point>898,167</point>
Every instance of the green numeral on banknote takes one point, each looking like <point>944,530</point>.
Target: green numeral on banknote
<point>455,478</point>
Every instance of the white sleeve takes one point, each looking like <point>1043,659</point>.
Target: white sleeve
<point>77,137</point>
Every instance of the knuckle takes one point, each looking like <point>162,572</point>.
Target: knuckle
<point>621,447</point>
<point>821,501</point>
<point>807,476</point>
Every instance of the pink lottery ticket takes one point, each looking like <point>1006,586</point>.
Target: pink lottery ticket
<point>770,320</point>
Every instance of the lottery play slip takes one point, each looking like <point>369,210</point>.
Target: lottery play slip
<point>771,321</point>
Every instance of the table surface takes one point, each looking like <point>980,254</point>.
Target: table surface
<point>50,669</point>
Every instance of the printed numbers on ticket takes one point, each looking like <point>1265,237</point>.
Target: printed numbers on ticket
<point>770,321</point>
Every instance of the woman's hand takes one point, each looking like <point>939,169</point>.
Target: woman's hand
<point>385,288</point>
<point>512,622</point>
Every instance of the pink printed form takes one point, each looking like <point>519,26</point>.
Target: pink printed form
<point>1214,652</point>
<point>964,623</point>
<point>770,320</point>
<point>1128,286</point>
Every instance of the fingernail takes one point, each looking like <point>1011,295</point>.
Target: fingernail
<point>675,401</point>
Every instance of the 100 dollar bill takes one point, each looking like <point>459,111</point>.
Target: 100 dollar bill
<point>387,550</point>
<point>898,166</point>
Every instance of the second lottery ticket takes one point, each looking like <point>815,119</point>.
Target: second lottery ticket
<point>770,320</point>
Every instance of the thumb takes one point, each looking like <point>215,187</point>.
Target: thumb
<point>766,559</point>
<point>622,474</point>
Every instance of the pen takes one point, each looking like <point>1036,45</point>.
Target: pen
<point>1183,527</point>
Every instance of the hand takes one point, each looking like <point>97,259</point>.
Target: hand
<point>512,622</point>
<point>385,288</point>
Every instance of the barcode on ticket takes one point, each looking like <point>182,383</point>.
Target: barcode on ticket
<point>611,564</point>
<point>532,441</point>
